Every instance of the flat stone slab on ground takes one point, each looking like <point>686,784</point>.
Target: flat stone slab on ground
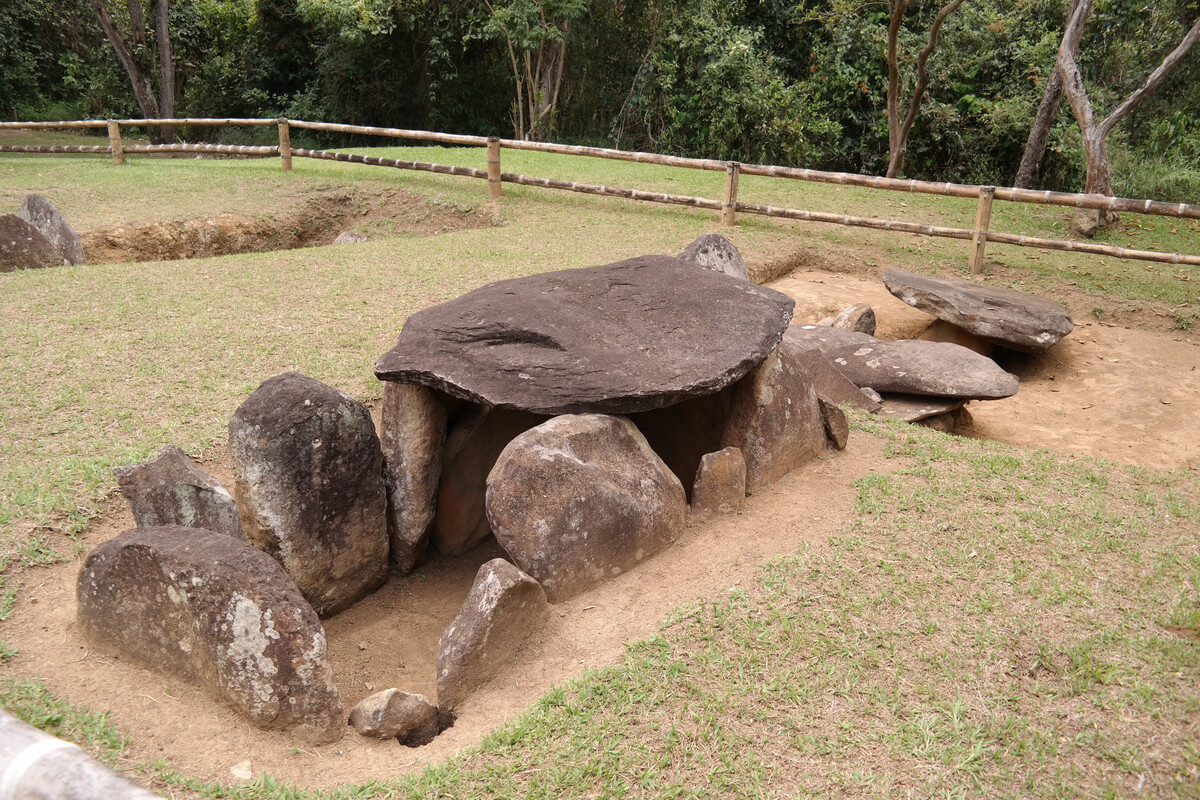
<point>213,610</point>
<point>631,336</point>
<point>914,408</point>
<point>908,366</point>
<point>1004,316</point>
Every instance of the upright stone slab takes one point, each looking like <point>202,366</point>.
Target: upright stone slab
<point>720,485</point>
<point>775,419</point>
<point>837,427</point>
<point>715,253</point>
<point>172,490</point>
<point>49,221</point>
<point>582,498</point>
<point>831,385</point>
<point>1004,316</point>
<point>309,486</point>
<point>22,246</point>
<point>210,609</point>
<point>475,442</point>
<point>413,435</point>
<point>505,606</point>
<point>908,366</point>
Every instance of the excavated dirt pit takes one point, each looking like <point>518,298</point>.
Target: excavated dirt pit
<point>316,221</point>
<point>1124,394</point>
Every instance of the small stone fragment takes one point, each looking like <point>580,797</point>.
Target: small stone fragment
<point>720,485</point>
<point>505,606</point>
<point>582,498</point>
<point>213,610</point>
<point>350,237</point>
<point>242,771</point>
<point>860,319</point>
<point>872,395</point>
<point>775,419</point>
<point>837,428</point>
<point>43,215</point>
<point>172,490</point>
<point>309,487</point>
<point>825,322</point>
<point>393,714</point>
<point>715,253</point>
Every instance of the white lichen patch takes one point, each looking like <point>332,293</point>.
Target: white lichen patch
<point>251,631</point>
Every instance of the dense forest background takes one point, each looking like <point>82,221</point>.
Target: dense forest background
<point>794,82</point>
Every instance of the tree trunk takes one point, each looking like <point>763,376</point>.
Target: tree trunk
<point>166,67</point>
<point>895,154</point>
<point>1099,179</point>
<point>1039,132</point>
<point>138,79</point>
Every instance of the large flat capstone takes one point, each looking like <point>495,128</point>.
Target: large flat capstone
<point>1004,316</point>
<point>619,338</point>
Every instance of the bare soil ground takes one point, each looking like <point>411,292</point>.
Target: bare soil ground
<point>1121,393</point>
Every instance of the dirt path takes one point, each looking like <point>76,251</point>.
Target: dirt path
<point>1118,393</point>
<point>390,638</point>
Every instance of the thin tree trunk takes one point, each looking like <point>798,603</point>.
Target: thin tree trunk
<point>1095,134</point>
<point>166,66</point>
<point>900,147</point>
<point>1039,131</point>
<point>893,88</point>
<point>142,90</point>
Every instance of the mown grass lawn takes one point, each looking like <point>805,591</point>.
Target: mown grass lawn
<point>996,623</point>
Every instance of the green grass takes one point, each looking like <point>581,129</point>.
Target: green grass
<point>993,623</point>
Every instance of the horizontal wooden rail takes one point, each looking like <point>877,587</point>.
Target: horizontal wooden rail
<point>612,191</point>
<point>618,155</point>
<point>224,149</point>
<point>54,148</point>
<point>374,161</point>
<point>398,133</point>
<point>77,123</point>
<point>1075,246</point>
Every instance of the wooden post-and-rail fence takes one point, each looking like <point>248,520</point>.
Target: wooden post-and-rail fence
<point>729,206</point>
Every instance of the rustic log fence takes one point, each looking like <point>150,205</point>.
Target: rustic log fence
<point>728,206</point>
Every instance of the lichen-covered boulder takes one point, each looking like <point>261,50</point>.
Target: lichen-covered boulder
<point>22,246</point>
<point>504,607</point>
<point>775,419</point>
<point>393,714</point>
<point>715,253</point>
<point>413,434</point>
<point>215,611</point>
<point>720,485</point>
<point>49,221</point>
<point>171,490</point>
<point>309,487</point>
<point>581,498</point>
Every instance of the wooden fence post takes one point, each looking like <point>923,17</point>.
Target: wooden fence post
<point>983,220</point>
<point>285,145</point>
<point>495,187</point>
<point>114,142</point>
<point>729,201</point>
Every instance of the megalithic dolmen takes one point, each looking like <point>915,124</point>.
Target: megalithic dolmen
<point>36,766</point>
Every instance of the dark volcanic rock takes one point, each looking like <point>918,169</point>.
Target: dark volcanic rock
<point>1010,318</point>
<point>720,485</point>
<point>393,714</point>
<point>413,432</point>
<point>49,221</point>
<point>23,247</point>
<point>216,611</point>
<point>714,252</point>
<point>581,498</point>
<point>172,490</point>
<point>309,487</point>
<point>908,366</point>
<point>505,606</point>
<point>619,338</point>
<point>775,419</point>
